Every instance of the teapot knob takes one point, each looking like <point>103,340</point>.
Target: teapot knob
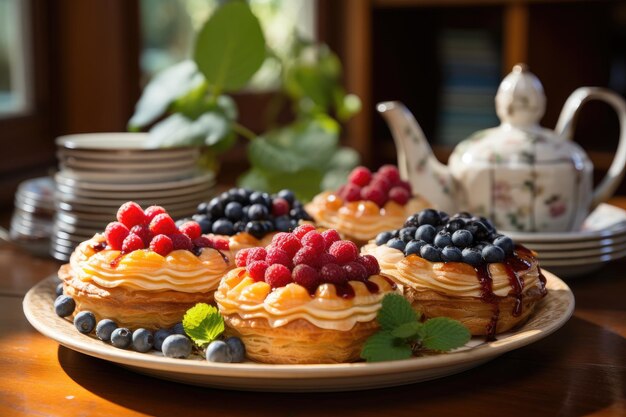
<point>520,100</point>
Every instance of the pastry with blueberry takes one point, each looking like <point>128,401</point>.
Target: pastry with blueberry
<point>461,267</point>
<point>249,218</point>
<point>367,205</point>
<point>308,297</point>
<point>144,271</point>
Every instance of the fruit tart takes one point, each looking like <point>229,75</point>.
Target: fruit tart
<point>306,298</point>
<point>249,218</point>
<point>144,271</point>
<point>460,267</point>
<point>367,205</point>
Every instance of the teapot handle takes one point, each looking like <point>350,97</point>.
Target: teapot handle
<point>565,128</point>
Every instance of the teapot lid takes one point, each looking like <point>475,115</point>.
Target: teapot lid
<point>520,99</point>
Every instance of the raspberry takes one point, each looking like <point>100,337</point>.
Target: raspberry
<point>257,270</point>
<point>181,241</point>
<point>302,230</point>
<point>257,254</point>
<point>382,183</point>
<point>161,244</point>
<point>326,258</point>
<point>370,263</point>
<point>344,250</point>
<point>390,172</point>
<point>333,274</point>
<point>115,233</point>
<point>132,243</point>
<point>278,256</point>
<point>306,256</point>
<point>306,276</point>
<point>191,229</point>
<point>330,236</point>
<point>399,195</point>
<point>163,224</point>
<point>374,194</point>
<point>153,211</point>
<point>203,242</point>
<point>241,259</point>
<point>314,240</point>
<point>130,214</point>
<point>221,243</point>
<point>360,176</point>
<point>351,192</point>
<point>277,275</point>
<point>287,242</point>
<point>406,185</point>
<point>355,271</point>
<point>143,232</point>
<point>280,207</point>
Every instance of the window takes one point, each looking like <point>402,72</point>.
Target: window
<point>14,94</point>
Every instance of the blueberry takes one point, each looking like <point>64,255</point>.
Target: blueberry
<point>258,212</point>
<point>225,198</point>
<point>121,337</point>
<point>159,337</point>
<point>64,305</point>
<point>454,225</point>
<point>234,211</point>
<point>287,195</point>
<point>223,227</point>
<point>505,243</point>
<point>407,234</point>
<point>426,233</point>
<point>444,217</point>
<point>412,221</point>
<point>104,329</point>
<point>239,226</point>
<point>462,238</point>
<point>237,349</point>
<point>261,198</point>
<point>215,208</point>
<point>282,224</point>
<point>59,289</point>
<point>300,213</point>
<point>255,228</point>
<point>443,239</point>
<point>143,340</point>
<point>472,256</point>
<point>176,346</point>
<point>178,328</point>
<point>396,243</point>
<point>238,195</point>
<point>462,215</point>
<point>218,351</point>
<point>493,254</point>
<point>451,254</point>
<point>478,229</point>
<point>202,208</point>
<point>383,238</point>
<point>480,245</point>
<point>413,247</point>
<point>85,321</point>
<point>430,253</point>
<point>487,224</point>
<point>204,222</point>
<point>429,216</point>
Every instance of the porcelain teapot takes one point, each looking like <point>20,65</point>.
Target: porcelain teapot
<point>523,177</point>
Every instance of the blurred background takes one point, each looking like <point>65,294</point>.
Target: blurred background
<point>72,66</point>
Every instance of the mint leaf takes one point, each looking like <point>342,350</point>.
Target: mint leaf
<point>203,323</point>
<point>395,311</point>
<point>443,334</point>
<point>407,330</point>
<point>384,347</point>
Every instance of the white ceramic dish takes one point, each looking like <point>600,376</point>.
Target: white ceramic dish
<point>200,178</point>
<point>551,314</point>
<point>117,202</point>
<point>578,254</point>
<point>110,141</point>
<point>128,156</point>
<point>95,165</point>
<point>110,211</point>
<point>116,177</point>
<point>618,239</point>
<point>202,189</point>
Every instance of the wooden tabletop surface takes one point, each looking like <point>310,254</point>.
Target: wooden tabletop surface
<point>578,371</point>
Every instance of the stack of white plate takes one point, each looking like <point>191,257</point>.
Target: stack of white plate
<point>601,240</point>
<point>100,172</point>
<point>32,220</point>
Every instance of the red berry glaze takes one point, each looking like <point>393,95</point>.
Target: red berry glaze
<point>306,276</point>
<point>277,275</point>
<point>257,270</point>
<point>330,236</point>
<point>360,176</point>
<point>399,194</point>
<point>280,207</point>
<point>344,250</point>
<point>162,224</point>
<point>132,243</point>
<point>370,263</point>
<point>181,241</point>
<point>191,229</point>
<point>333,273</point>
<point>161,244</point>
<point>131,214</point>
<point>153,211</point>
<point>314,240</point>
<point>302,230</point>
<point>115,233</point>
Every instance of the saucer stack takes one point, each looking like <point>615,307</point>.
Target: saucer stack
<point>32,220</point>
<point>601,240</point>
<point>100,172</point>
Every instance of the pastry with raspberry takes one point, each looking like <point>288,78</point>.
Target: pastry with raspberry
<point>144,271</point>
<point>368,204</point>
<point>308,297</point>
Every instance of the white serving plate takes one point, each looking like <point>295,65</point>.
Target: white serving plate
<point>83,164</point>
<point>199,178</point>
<point>200,189</point>
<point>116,177</point>
<point>549,316</point>
<point>617,239</point>
<point>112,141</point>
<point>184,200</point>
<point>578,254</point>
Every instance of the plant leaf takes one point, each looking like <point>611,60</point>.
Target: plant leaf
<point>305,183</point>
<point>203,323</point>
<point>163,90</point>
<point>443,334</point>
<point>382,346</point>
<point>395,311</point>
<point>178,130</point>
<point>230,47</point>
<point>407,330</point>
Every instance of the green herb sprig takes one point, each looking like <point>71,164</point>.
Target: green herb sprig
<point>203,324</point>
<point>402,335</point>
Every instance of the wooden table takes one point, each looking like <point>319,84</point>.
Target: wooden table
<point>578,371</point>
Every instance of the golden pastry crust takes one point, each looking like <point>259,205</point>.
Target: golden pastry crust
<point>360,221</point>
<point>290,325</point>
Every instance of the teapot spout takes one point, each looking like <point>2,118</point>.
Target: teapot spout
<point>416,161</point>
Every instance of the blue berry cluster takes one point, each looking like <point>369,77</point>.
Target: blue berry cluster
<point>438,237</point>
<point>242,210</point>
